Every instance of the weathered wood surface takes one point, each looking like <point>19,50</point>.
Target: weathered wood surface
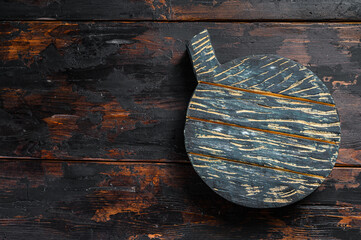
<point>262,130</point>
<point>118,91</point>
<point>115,90</point>
<point>72,200</point>
<point>181,10</point>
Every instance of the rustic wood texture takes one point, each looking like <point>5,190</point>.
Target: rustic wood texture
<point>90,90</point>
<point>181,10</point>
<point>105,91</point>
<point>262,130</point>
<point>72,200</point>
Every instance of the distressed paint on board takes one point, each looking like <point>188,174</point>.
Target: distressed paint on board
<point>261,131</point>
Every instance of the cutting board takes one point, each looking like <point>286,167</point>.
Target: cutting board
<point>262,131</point>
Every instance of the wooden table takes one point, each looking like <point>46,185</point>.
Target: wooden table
<point>93,100</point>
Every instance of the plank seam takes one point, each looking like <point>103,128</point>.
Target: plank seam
<point>262,130</point>
<point>270,94</point>
<point>300,21</point>
<point>257,165</point>
<point>135,161</point>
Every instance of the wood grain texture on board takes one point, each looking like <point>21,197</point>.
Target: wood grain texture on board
<point>181,10</point>
<point>77,200</point>
<point>117,90</point>
<point>262,130</point>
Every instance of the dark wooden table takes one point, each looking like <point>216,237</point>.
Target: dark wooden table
<point>92,108</point>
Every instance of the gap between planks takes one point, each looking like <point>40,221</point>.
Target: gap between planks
<point>191,20</point>
<point>126,161</point>
<point>269,94</point>
<point>257,165</point>
<point>262,130</point>
<point>96,160</point>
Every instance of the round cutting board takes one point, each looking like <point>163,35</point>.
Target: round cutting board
<point>261,131</point>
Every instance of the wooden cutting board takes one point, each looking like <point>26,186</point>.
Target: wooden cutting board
<point>261,131</point>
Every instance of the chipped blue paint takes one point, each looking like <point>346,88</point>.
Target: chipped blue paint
<point>262,131</point>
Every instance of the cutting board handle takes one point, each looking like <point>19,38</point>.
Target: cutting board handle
<point>202,54</point>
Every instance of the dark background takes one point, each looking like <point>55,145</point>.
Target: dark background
<point>93,97</point>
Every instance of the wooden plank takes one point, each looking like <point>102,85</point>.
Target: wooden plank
<point>57,200</point>
<point>85,10</point>
<point>305,119</point>
<point>127,99</point>
<point>181,10</point>
<point>266,10</point>
<point>260,148</point>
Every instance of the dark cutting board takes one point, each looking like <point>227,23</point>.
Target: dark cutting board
<point>261,131</point>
